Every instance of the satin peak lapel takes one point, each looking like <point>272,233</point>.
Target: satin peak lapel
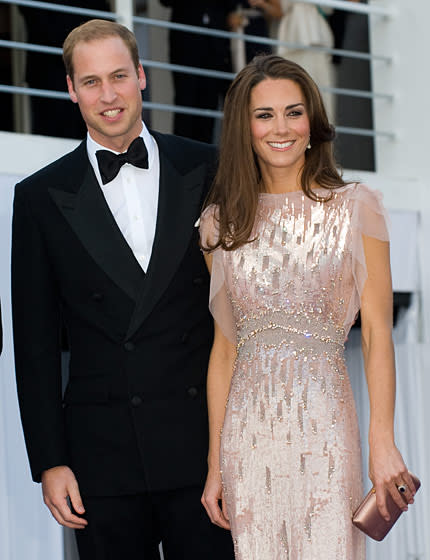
<point>89,216</point>
<point>178,208</point>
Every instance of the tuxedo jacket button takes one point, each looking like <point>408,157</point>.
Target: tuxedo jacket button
<point>135,401</point>
<point>185,337</point>
<point>97,296</point>
<point>198,281</point>
<point>129,346</point>
<point>193,392</point>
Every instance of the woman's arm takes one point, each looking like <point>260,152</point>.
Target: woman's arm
<point>387,469</point>
<point>220,371</point>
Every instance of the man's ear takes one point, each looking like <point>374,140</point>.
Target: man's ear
<point>141,77</point>
<point>71,89</point>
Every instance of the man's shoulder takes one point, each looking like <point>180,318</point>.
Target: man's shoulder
<point>185,153</point>
<point>57,171</point>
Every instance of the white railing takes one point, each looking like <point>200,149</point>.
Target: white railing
<point>124,14</point>
<point>375,8</point>
<point>124,8</point>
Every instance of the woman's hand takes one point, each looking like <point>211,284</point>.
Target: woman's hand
<point>235,20</point>
<point>387,471</point>
<point>212,494</point>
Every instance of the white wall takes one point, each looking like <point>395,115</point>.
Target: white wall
<point>405,37</point>
<point>403,164</point>
<point>27,530</point>
<point>23,154</point>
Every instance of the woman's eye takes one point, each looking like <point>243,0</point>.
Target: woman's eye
<point>264,116</point>
<point>295,114</point>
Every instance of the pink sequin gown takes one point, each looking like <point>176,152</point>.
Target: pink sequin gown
<point>290,450</point>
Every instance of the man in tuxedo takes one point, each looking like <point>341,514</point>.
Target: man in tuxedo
<point>105,244</point>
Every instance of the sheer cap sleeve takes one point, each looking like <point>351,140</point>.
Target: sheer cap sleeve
<point>370,218</point>
<point>219,301</point>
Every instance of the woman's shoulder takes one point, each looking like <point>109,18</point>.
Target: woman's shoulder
<point>360,192</point>
<point>356,188</point>
<point>209,225</point>
<point>209,216</point>
<point>369,215</point>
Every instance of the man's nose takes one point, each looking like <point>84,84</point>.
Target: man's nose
<point>108,93</point>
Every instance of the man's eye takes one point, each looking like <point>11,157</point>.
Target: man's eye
<point>120,76</point>
<point>90,82</point>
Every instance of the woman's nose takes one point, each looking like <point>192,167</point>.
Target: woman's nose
<point>281,125</point>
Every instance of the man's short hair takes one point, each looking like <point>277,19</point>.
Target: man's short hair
<point>98,29</point>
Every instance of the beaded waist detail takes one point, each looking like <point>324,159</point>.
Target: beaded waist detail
<point>276,327</point>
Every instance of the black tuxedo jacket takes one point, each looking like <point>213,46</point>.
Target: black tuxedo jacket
<point>133,416</point>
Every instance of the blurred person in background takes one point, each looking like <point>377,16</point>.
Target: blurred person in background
<point>198,51</point>
<point>311,25</point>
<point>252,17</point>
<point>306,24</point>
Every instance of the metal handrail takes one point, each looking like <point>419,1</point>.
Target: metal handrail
<point>61,8</point>
<point>260,40</point>
<point>180,109</point>
<point>369,9</point>
<point>353,7</point>
<point>209,32</point>
<point>194,71</point>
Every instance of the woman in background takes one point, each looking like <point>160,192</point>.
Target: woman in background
<point>294,253</point>
<point>306,25</point>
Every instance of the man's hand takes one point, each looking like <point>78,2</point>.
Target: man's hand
<point>58,484</point>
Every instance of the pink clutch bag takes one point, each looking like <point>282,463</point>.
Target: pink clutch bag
<point>367,517</point>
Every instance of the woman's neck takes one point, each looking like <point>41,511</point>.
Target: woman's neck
<point>280,180</point>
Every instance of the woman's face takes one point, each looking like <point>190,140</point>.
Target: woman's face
<point>280,126</point>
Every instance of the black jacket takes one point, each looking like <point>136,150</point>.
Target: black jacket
<point>134,412</point>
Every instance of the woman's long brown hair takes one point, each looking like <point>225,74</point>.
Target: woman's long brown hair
<point>238,180</point>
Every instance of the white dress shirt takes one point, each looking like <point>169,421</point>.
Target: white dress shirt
<point>133,197</point>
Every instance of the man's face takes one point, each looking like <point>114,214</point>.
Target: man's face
<point>107,88</point>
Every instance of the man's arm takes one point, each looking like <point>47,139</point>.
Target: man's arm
<point>36,326</point>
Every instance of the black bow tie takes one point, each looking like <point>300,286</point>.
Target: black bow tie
<point>110,163</point>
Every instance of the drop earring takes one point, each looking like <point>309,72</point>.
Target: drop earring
<point>308,147</point>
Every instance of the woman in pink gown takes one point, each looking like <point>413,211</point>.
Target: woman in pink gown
<point>294,253</point>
